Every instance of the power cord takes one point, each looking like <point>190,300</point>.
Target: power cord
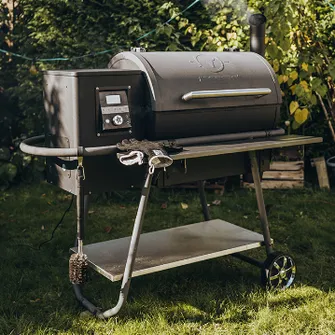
<point>58,224</point>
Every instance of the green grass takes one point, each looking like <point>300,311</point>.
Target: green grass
<point>220,296</point>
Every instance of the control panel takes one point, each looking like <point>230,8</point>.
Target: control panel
<point>113,109</point>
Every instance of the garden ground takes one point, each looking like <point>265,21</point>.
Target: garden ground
<point>221,296</point>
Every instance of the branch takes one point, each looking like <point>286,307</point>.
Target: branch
<point>331,90</point>
<point>331,128</point>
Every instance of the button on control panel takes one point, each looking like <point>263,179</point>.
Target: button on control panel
<point>118,120</point>
<point>114,110</point>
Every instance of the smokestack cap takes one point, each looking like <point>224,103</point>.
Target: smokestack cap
<point>257,19</point>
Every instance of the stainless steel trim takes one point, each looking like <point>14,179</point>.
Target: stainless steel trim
<point>226,93</point>
<point>244,146</point>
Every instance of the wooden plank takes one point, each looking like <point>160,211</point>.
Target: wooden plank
<point>287,166</point>
<point>283,175</point>
<point>321,171</point>
<point>272,184</point>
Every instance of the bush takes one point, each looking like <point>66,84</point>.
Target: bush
<point>300,40</point>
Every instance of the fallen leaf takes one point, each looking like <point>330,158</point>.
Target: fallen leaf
<point>164,205</point>
<point>36,300</point>
<point>90,212</point>
<point>43,195</point>
<point>108,229</point>
<point>216,202</point>
<point>245,216</point>
<point>42,227</point>
<point>183,205</point>
<point>85,315</point>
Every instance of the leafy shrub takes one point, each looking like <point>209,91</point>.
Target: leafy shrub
<point>300,47</point>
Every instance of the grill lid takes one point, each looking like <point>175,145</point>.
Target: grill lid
<point>198,80</point>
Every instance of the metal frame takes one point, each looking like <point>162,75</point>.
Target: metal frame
<point>261,208</point>
<point>135,237</point>
<point>191,152</point>
<point>29,145</point>
<point>126,279</point>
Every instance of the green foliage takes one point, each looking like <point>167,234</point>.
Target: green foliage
<point>300,47</point>
<point>67,29</point>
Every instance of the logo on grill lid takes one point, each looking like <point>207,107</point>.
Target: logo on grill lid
<point>211,63</point>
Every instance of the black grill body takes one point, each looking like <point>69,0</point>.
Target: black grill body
<point>157,96</point>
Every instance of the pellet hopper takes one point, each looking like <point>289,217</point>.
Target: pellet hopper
<point>217,111</point>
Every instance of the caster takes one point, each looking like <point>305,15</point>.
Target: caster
<point>278,271</point>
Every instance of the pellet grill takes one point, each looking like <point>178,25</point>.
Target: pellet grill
<point>221,108</point>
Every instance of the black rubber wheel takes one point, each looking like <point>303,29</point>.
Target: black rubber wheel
<point>278,271</point>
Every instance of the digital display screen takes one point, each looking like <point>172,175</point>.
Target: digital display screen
<point>114,99</point>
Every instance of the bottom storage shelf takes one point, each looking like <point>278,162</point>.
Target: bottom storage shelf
<point>169,248</point>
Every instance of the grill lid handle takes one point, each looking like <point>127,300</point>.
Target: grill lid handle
<point>226,93</point>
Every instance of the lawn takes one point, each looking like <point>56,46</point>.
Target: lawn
<point>221,296</point>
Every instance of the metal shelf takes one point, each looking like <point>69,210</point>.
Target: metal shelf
<point>169,248</point>
<point>245,146</point>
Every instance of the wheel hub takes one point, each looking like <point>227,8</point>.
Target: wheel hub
<point>282,274</point>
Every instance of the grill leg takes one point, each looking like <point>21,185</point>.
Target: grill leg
<point>260,202</point>
<point>130,260</point>
<point>82,226</point>
<point>203,200</point>
<point>86,206</point>
<point>81,210</point>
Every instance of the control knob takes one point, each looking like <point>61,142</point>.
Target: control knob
<point>117,120</point>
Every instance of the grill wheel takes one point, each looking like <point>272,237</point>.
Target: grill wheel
<point>279,271</point>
